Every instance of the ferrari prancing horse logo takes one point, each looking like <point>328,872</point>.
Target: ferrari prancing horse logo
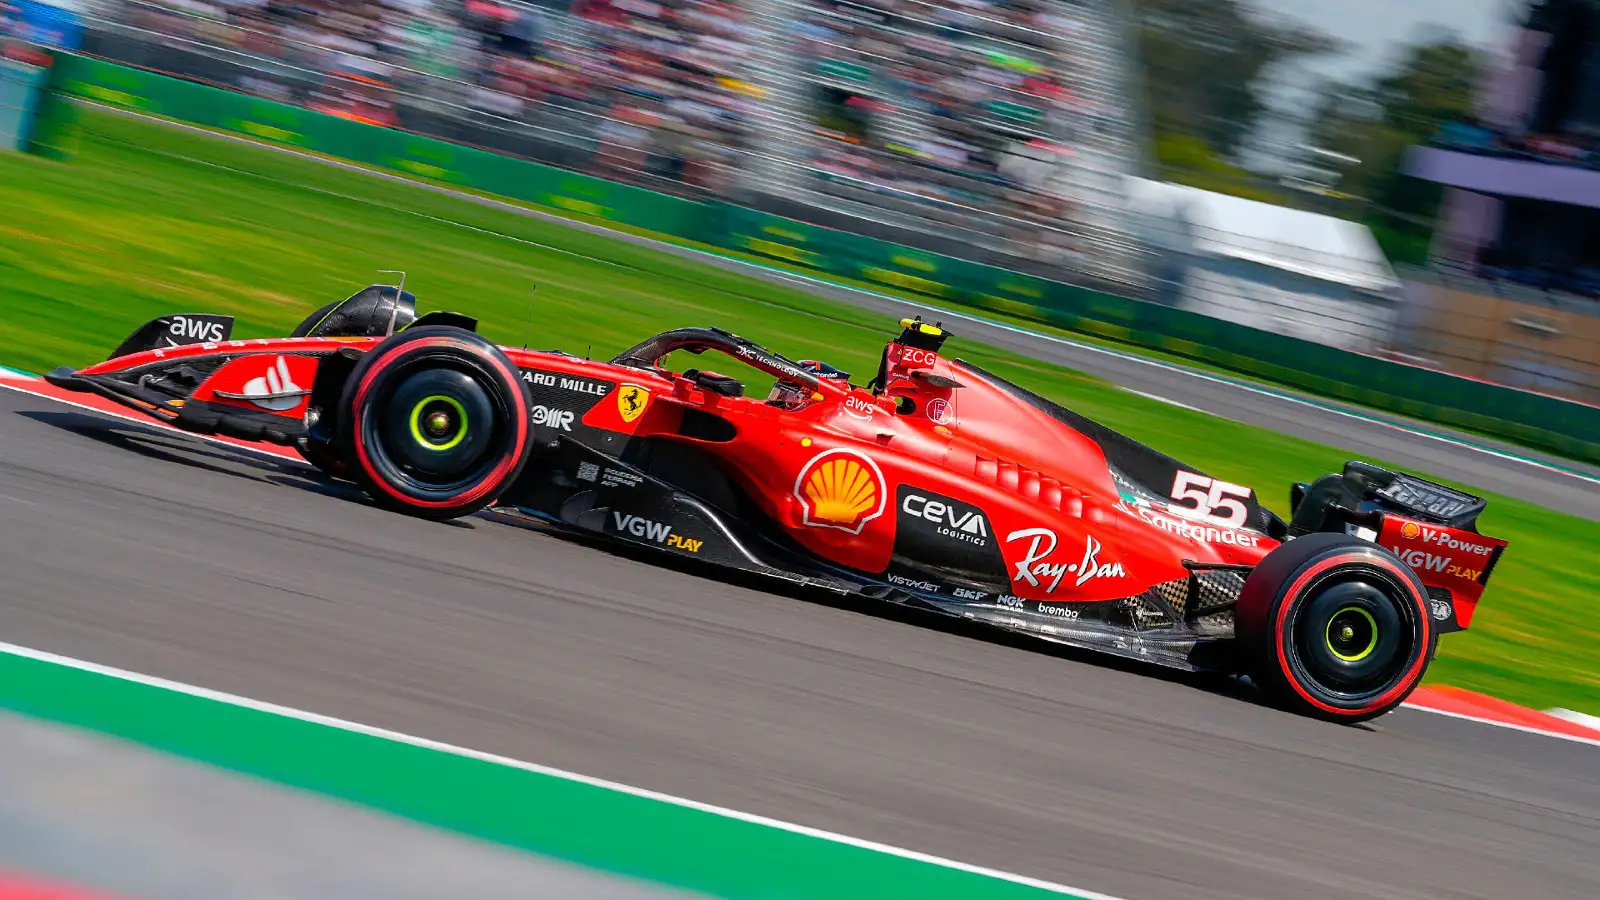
<point>632,401</point>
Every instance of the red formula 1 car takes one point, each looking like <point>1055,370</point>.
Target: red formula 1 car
<point>937,484</point>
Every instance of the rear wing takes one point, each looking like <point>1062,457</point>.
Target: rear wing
<point>176,330</point>
<point>1431,527</point>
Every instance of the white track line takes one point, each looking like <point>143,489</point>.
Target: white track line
<point>1577,718</point>
<point>1170,402</point>
<point>1578,739</point>
<point>424,743</point>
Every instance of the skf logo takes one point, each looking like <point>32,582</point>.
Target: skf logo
<point>840,489</point>
<point>632,401</point>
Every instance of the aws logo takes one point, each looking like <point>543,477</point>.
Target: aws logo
<point>840,489</point>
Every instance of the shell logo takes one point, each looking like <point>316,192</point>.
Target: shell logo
<point>840,489</point>
<point>1409,531</point>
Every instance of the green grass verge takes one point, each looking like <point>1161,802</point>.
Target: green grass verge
<point>146,220</point>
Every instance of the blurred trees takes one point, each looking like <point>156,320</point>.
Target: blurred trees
<point>1433,80</point>
<point>1209,67</point>
<point>1203,62</point>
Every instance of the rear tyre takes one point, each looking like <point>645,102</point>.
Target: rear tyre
<point>1335,627</point>
<point>436,422</point>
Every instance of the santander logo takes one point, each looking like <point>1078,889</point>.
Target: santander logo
<point>267,389</point>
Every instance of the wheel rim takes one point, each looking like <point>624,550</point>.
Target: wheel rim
<point>439,423</point>
<point>1353,637</point>
<point>1352,634</point>
<point>434,429</point>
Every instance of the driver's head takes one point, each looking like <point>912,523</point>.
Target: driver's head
<point>788,394</point>
<point>793,395</point>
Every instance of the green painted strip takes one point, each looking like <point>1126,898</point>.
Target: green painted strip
<point>10,371</point>
<point>604,826</point>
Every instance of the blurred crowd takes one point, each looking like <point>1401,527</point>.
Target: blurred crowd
<point>1575,277</point>
<point>1473,137</point>
<point>953,103</point>
<point>943,106</point>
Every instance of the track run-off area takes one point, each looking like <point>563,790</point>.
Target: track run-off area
<point>137,548</point>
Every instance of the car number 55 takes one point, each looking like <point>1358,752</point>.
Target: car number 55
<point>1207,499</point>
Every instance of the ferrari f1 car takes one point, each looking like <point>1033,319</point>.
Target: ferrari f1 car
<point>937,484</point>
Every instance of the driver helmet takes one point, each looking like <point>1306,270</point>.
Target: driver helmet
<point>793,395</point>
<point>788,395</point>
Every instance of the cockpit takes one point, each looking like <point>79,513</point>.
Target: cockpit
<point>905,371</point>
<point>795,384</point>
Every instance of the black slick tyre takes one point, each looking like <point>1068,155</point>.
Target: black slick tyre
<point>435,421</point>
<point>1335,627</point>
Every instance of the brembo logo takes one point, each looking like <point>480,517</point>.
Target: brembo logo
<point>840,489</point>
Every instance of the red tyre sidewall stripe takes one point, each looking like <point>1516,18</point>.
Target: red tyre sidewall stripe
<point>520,424</point>
<point>1404,684</point>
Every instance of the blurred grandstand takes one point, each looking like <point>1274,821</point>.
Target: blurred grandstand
<point>1515,266</point>
<point>1001,131</point>
<point>1008,132</point>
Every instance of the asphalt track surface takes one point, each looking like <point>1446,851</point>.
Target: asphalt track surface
<point>142,549</point>
<point>1508,470</point>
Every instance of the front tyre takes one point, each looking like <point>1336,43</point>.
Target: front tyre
<point>436,421</point>
<point>1335,627</point>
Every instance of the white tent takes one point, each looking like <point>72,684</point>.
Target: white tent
<point>1283,270</point>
